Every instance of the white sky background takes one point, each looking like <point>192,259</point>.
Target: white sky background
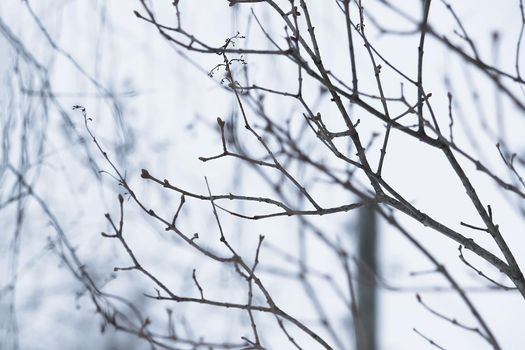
<point>125,54</point>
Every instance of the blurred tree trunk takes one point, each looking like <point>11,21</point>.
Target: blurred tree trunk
<point>367,269</point>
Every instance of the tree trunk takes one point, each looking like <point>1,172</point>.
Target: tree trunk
<point>367,269</point>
